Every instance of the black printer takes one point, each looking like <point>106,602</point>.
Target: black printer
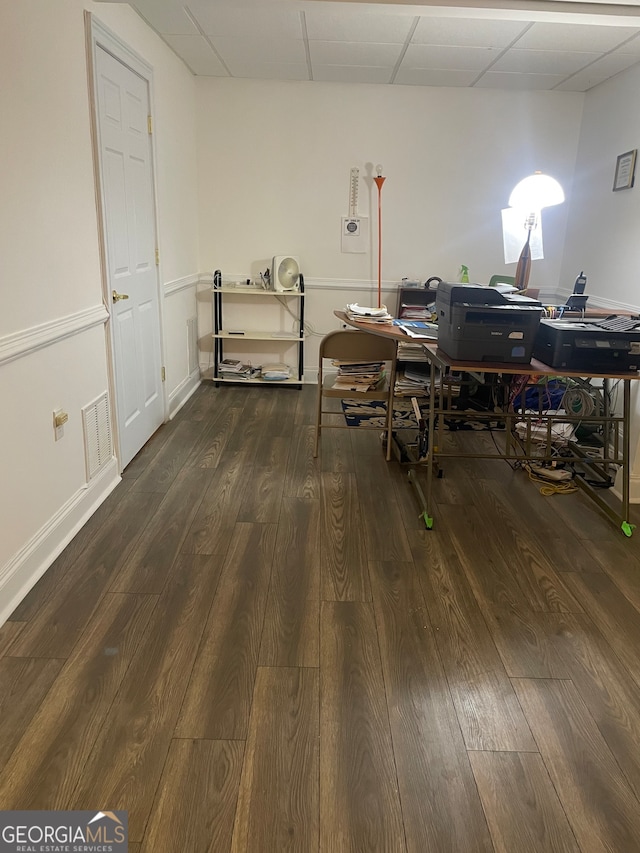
<point>610,345</point>
<point>480,323</point>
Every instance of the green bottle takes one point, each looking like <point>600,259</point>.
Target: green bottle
<point>464,274</point>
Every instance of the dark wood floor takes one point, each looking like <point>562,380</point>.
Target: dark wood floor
<point>252,650</point>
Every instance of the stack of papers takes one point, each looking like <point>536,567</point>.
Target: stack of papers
<point>358,375</point>
<point>231,368</point>
<point>368,315</point>
<point>418,329</point>
<point>411,351</point>
<point>413,381</point>
<point>415,312</point>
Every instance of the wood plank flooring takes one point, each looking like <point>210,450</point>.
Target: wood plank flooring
<point>253,651</point>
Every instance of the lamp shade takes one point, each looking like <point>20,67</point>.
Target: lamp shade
<point>535,192</point>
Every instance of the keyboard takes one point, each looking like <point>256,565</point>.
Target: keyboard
<point>618,323</point>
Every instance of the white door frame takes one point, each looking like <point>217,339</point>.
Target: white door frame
<point>97,35</point>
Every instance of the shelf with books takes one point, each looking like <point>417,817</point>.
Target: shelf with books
<point>251,305</point>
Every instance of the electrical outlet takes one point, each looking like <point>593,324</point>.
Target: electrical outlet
<point>60,417</point>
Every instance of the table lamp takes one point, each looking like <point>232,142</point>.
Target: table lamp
<point>530,196</point>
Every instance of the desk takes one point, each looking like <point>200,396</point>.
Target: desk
<point>615,428</point>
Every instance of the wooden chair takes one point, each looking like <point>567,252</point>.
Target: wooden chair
<point>354,345</point>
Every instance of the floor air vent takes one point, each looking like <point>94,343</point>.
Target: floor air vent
<point>97,435</point>
<point>192,344</point>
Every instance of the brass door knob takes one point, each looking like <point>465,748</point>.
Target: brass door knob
<point>118,296</point>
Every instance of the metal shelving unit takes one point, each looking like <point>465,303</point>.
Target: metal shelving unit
<point>221,336</point>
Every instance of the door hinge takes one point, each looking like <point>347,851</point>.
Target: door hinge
<point>150,124</point>
<point>164,375</point>
<point>157,257</point>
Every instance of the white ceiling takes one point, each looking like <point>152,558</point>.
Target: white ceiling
<point>565,45</point>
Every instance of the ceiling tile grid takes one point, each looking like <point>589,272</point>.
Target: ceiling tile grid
<point>374,43</point>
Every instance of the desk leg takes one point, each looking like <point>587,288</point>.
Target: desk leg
<point>627,527</point>
<point>623,518</point>
<point>425,502</point>
<point>428,514</point>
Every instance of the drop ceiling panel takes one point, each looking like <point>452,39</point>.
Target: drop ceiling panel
<point>345,24</point>
<point>259,50</point>
<point>462,31</point>
<point>434,77</point>
<point>612,64</point>
<point>270,23</point>
<point>574,37</point>
<point>197,54</point>
<point>439,56</point>
<point>166,17</point>
<point>543,61</point>
<point>631,47</point>
<point>496,80</point>
<point>249,68</point>
<point>580,82</point>
<point>351,74</point>
<point>353,53</point>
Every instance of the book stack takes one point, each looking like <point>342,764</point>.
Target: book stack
<point>233,368</point>
<point>359,376</point>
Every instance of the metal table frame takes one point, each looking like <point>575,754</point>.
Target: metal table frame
<point>430,446</point>
<point>615,427</point>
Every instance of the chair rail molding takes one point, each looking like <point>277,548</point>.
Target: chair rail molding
<point>184,283</point>
<point>18,344</point>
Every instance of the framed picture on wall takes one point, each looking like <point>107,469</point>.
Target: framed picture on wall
<point>625,170</point>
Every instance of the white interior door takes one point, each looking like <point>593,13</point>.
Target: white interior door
<point>128,203</point>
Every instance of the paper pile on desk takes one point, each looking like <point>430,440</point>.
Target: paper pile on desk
<point>418,329</point>
<point>368,315</point>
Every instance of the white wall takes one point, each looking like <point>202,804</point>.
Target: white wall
<point>52,333</point>
<point>602,237</point>
<point>275,158</point>
<point>602,233</point>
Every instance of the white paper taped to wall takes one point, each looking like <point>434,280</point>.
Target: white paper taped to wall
<point>514,236</point>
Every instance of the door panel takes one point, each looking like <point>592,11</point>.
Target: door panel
<point>127,189</point>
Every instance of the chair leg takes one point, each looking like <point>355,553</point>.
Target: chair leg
<point>389,428</point>
<point>318,416</point>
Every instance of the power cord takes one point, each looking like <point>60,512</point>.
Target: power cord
<point>308,328</point>
<point>549,487</point>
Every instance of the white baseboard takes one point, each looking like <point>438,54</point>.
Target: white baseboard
<point>181,394</point>
<point>634,488</point>
<point>22,572</point>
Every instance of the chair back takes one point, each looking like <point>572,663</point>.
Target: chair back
<point>355,345</point>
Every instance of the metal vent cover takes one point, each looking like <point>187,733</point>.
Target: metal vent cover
<point>98,446</point>
<point>192,344</point>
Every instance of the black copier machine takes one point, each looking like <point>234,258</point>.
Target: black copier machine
<point>611,344</point>
<point>480,323</point>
